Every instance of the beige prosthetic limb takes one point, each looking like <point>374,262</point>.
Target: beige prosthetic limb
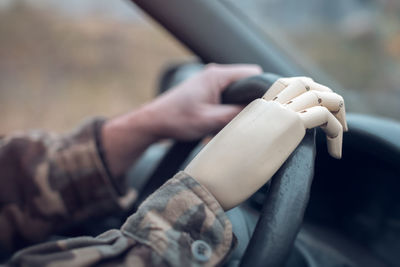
<point>250,149</point>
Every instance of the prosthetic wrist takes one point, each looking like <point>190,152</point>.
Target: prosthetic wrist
<point>250,149</point>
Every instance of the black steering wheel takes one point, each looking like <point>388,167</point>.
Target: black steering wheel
<point>287,198</point>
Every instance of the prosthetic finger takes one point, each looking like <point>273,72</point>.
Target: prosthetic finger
<point>295,88</point>
<point>341,116</point>
<point>282,83</point>
<point>304,79</point>
<point>319,87</point>
<point>332,101</point>
<point>320,116</point>
<point>275,89</point>
<point>314,86</point>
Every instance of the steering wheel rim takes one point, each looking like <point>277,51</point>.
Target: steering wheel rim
<point>283,209</point>
<point>288,194</point>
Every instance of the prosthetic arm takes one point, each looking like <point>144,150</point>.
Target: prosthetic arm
<point>250,149</point>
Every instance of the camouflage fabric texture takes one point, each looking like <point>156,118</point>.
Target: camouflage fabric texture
<point>50,181</point>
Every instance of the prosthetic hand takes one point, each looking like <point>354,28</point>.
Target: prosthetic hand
<point>250,149</point>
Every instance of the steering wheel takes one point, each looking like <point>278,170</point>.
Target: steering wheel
<point>287,198</point>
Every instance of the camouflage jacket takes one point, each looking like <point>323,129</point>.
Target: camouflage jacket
<point>50,181</point>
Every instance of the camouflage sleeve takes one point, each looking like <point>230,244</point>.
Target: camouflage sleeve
<point>49,181</point>
<point>181,224</point>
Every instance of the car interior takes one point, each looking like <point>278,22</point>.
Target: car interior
<point>316,211</point>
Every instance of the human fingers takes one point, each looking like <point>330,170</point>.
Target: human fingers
<point>222,75</point>
<point>220,115</point>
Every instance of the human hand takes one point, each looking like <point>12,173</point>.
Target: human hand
<point>250,149</point>
<point>192,109</point>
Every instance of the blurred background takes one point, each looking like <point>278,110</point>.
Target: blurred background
<point>356,43</point>
<point>62,61</point>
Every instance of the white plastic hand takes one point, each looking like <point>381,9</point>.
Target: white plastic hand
<point>250,149</point>
<point>316,104</point>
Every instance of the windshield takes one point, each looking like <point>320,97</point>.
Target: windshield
<point>355,42</point>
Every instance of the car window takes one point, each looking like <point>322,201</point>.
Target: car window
<point>62,61</point>
<point>357,42</point>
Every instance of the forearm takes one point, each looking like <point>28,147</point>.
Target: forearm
<point>181,224</point>
<point>125,138</point>
<point>48,181</point>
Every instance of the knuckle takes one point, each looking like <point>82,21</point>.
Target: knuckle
<point>306,79</point>
<point>339,96</point>
<point>303,81</point>
<point>323,110</point>
<point>283,81</point>
<point>315,94</point>
<point>327,88</point>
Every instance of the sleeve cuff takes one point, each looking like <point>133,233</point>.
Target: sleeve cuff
<point>183,223</point>
<point>88,187</point>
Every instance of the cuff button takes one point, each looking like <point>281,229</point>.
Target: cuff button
<point>201,250</point>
